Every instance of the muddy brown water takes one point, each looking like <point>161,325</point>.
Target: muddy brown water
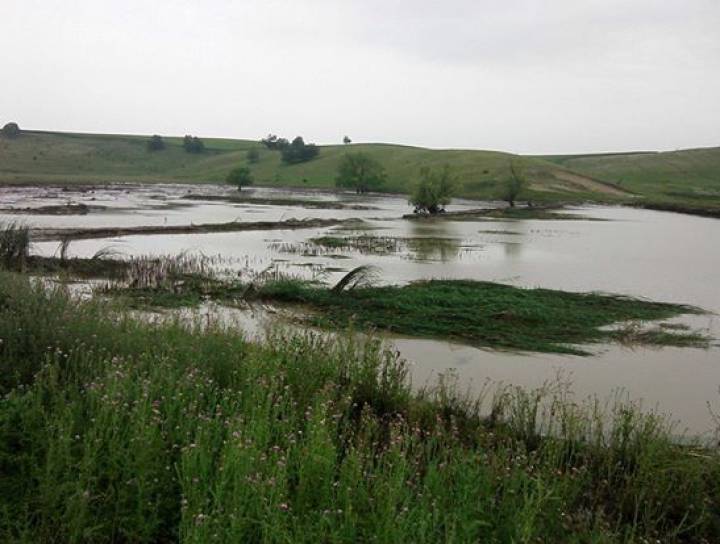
<point>658,255</point>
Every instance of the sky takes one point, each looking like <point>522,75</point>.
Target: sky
<point>524,76</point>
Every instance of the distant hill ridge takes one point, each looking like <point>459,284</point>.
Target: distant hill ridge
<point>50,157</point>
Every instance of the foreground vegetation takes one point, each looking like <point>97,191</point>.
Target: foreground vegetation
<point>117,430</point>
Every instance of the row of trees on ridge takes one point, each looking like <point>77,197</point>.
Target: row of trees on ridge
<point>293,152</point>
<point>11,130</point>
<point>191,144</point>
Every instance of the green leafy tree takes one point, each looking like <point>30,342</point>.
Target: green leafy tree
<point>240,176</point>
<point>514,184</point>
<point>252,155</point>
<point>156,143</point>
<point>193,144</point>
<point>298,151</point>
<point>11,130</point>
<point>361,172</point>
<point>434,191</point>
<point>271,141</point>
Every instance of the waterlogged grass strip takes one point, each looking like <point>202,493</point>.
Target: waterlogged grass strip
<point>489,314</point>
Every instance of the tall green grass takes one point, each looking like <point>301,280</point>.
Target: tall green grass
<point>14,245</point>
<point>117,430</point>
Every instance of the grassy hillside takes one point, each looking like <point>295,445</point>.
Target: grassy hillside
<point>686,180</point>
<point>691,176</point>
<point>48,157</point>
<point>51,156</point>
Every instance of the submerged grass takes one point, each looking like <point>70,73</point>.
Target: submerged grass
<point>113,430</point>
<point>419,248</point>
<point>488,314</point>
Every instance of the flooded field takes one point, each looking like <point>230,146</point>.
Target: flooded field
<point>661,256</point>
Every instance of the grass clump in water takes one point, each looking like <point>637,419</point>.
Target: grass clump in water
<point>116,430</point>
<point>14,246</point>
<point>487,314</point>
<point>541,214</point>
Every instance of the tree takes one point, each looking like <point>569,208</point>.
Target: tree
<point>271,141</point>
<point>156,143</point>
<point>347,140</point>
<point>253,155</point>
<point>240,176</point>
<point>11,130</point>
<point>514,185</point>
<point>361,172</point>
<point>298,151</point>
<point>434,191</point>
<point>193,144</point>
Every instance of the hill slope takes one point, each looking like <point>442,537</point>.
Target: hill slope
<point>47,157</point>
<point>691,175</point>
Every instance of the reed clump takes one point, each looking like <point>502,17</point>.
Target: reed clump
<point>14,245</point>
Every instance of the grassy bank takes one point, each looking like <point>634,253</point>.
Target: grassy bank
<point>112,430</point>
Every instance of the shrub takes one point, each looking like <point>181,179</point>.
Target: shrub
<point>11,130</point>
<point>156,143</point>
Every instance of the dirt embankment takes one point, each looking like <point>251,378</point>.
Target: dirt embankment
<point>584,183</point>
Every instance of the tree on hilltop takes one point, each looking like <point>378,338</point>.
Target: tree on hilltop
<point>271,141</point>
<point>11,130</point>
<point>298,151</point>
<point>193,144</point>
<point>361,172</point>
<point>156,143</point>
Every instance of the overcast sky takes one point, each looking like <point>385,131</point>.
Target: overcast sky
<point>524,76</point>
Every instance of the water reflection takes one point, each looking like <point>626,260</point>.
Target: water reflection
<point>513,250</point>
<point>431,240</point>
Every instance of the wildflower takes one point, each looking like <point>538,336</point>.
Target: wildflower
<point>284,506</point>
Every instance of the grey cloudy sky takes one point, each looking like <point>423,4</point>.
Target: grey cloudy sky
<point>514,75</point>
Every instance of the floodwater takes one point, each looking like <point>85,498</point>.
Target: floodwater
<point>661,256</point>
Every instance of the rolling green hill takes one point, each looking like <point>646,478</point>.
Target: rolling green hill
<point>48,157</point>
<point>690,176</point>
<point>687,180</point>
